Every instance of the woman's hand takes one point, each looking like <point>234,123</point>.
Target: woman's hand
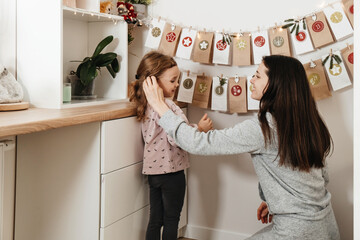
<point>205,124</point>
<point>154,95</point>
<point>263,213</point>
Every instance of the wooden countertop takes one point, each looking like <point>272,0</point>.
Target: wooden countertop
<point>40,119</point>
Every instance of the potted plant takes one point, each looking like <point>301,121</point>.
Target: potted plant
<point>87,71</point>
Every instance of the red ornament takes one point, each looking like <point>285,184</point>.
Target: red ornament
<point>187,41</point>
<point>351,58</point>
<point>220,45</point>
<point>170,37</point>
<point>351,9</point>
<point>318,26</point>
<point>301,36</point>
<point>236,90</point>
<point>259,41</point>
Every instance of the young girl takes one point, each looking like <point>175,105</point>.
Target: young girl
<point>288,143</point>
<point>164,161</point>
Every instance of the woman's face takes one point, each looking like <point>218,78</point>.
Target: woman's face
<point>169,81</point>
<point>259,82</point>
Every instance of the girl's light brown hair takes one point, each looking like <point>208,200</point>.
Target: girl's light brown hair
<point>152,64</point>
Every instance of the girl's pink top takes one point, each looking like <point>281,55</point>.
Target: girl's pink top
<point>161,154</point>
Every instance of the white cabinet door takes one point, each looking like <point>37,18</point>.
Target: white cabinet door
<point>7,187</point>
<point>58,184</point>
<point>122,193</point>
<point>121,144</point>
<point>132,227</point>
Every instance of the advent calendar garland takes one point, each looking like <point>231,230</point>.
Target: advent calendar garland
<point>244,49</point>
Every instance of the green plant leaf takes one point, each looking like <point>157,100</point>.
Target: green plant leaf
<point>289,20</point>
<point>331,62</point>
<point>287,25</point>
<point>325,60</point>
<point>115,65</point>
<point>337,58</point>
<point>304,24</point>
<point>297,29</point>
<point>104,59</point>
<point>102,45</point>
<point>111,71</point>
<point>293,28</point>
<point>87,72</point>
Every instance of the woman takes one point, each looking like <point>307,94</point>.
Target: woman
<point>288,143</point>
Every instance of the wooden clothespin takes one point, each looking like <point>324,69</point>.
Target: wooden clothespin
<point>159,18</point>
<point>331,53</point>
<point>188,72</point>
<point>258,28</point>
<point>203,75</point>
<point>348,46</point>
<point>190,28</point>
<point>236,78</point>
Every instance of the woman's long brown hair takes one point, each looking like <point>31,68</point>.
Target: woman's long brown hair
<point>152,64</point>
<point>303,138</point>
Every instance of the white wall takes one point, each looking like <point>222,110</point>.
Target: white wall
<point>8,35</point>
<point>223,196</point>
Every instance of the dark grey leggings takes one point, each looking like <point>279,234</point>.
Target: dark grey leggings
<point>167,193</point>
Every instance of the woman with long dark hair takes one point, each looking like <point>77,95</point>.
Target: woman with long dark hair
<point>288,143</point>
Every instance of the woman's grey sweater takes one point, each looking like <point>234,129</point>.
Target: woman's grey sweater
<point>287,192</point>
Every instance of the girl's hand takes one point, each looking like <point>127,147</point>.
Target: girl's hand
<point>154,95</point>
<point>263,213</point>
<point>205,124</point>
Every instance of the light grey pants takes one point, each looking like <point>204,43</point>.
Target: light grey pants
<point>292,228</point>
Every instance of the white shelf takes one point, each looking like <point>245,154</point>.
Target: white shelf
<point>79,14</point>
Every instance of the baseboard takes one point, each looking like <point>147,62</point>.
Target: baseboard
<point>204,233</point>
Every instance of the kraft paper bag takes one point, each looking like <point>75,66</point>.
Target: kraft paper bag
<point>237,95</point>
<point>349,10</point>
<point>170,39</point>
<point>219,95</point>
<point>337,75</point>
<point>252,103</point>
<point>260,45</point>
<point>202,91</point>
<point>317,80</point>
<point>319,30</point>
<point>186,43</point>
<point>348,57</point>
<point>301,41</point>
<point>221,50</point>
<point>202,52</point>
<point>279,41</point>
<point>241,50</point>
<point>186,87</point>
<point>155,34</point>
<point>340,25</point>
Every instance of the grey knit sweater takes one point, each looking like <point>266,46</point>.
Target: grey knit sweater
<point>302,196</point>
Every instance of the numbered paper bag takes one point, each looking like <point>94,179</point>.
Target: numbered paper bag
<point>186,87</point>
<point>241,50</point>
<point>203,47</point>
<point>186,43</point>
<point>301,41</point>
<point>170,39</point>
<point>337,75</point>
<point>338,21</point>
<point>279,41</point>
<point>202,91</point>
<point>221,50</point>
<point>319,30</point>
<point>349,10</point>
<point>155,34</point>
<point>219,95</point>
<point>260,46</point>
<point>317,80</point>
<point>348,57</point>
<point>237,95</point>
<point>252,103</point>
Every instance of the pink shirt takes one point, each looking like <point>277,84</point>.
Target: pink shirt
<point>161,154</point>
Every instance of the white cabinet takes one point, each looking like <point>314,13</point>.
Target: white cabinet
<point>7,187</point>
<point>58,184</point>
<point>49,36</point>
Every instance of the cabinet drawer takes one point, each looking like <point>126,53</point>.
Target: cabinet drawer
<point>122,193</point>
<point>121,143</point>
<point>132,227</point>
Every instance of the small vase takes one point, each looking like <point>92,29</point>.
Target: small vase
<point>79,90</point>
